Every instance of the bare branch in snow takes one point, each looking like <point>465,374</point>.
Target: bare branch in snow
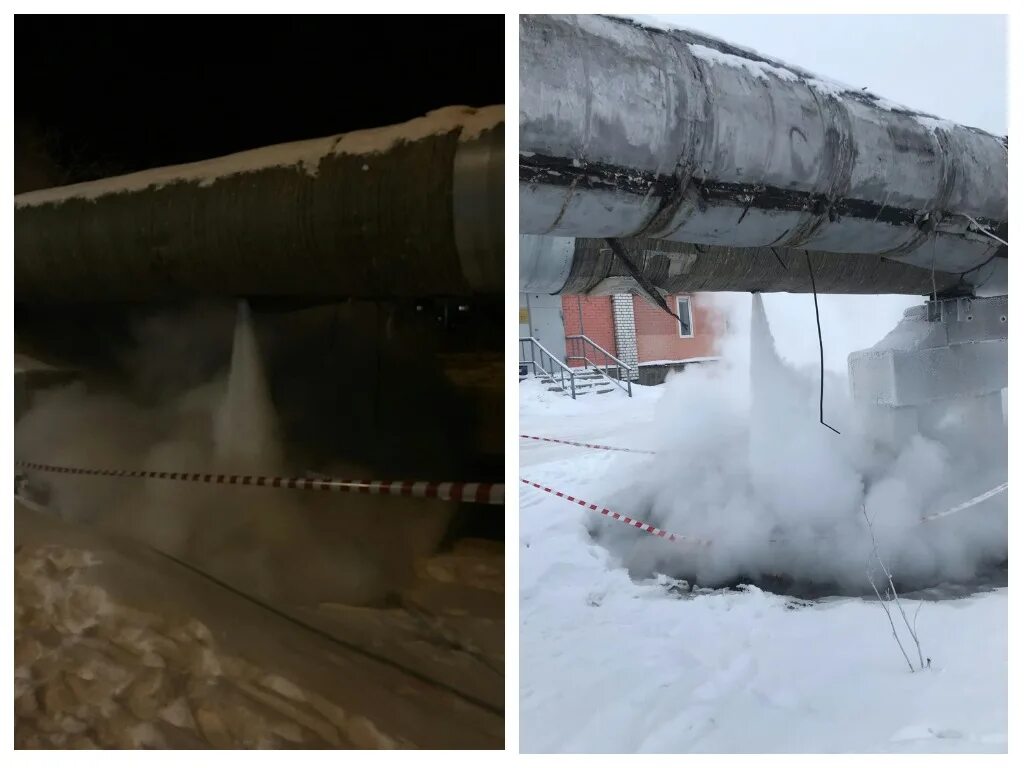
<point>889,616</point>
<point>891,590</point>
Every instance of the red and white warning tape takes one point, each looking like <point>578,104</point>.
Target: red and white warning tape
<point>645,527</point>
<point>968,504</point>
<point>480,493</point>
<point>936,516</point>
<point>586,445</point>
<point>654,531</point>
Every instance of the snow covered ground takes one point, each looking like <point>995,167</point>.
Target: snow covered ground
<point>608,664</point>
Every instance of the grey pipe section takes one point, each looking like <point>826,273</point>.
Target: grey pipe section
<point>588,266</point>
<point>545,263</point>
<point>633,131</point>
<point>412,210</point>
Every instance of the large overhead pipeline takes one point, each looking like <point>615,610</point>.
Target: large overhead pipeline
<point>588,266</point>
<point>405,211</point>
<point>628,130</point>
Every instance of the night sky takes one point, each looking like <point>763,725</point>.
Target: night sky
<point>102,95</point>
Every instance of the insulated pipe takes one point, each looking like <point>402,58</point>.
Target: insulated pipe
<point>556,265</point>
<point>627,130</point>
<point>411,210</point>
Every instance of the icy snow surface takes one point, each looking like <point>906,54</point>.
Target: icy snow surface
<point>611,665</point>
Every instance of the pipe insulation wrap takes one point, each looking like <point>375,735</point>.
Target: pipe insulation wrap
<point>633,131</point>
<point>557,265</point>
<point>404,211</point>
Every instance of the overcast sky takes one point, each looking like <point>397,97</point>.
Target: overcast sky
<point>950,66</point>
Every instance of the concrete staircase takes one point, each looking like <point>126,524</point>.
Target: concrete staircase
<point>536,360</point>
<point>587,382</point>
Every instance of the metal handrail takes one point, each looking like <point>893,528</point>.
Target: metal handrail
<point>547,352</point>
<point>557,367</point>
<point>623,372</point>
<point>599,348</point>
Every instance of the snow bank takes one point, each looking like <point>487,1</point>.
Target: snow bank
<point>607,665</point>
<point>610,663</point>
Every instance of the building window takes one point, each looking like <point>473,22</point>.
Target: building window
<point>685,318</point>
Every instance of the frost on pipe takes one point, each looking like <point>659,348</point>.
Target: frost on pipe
<point>628,130</point>
<point>408,210</point>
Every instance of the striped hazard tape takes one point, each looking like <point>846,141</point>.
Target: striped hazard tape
<point>640,524</point>
<point>586,445</point>
<point>927,518</point>
<point>968,504</point>
<point>663,534</point>
<point>480,493</point>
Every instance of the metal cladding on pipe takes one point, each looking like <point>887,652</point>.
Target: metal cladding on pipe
<point>633,131</point>
<point>545,263</point>
<point>588,266</point>
<point>478,197</point>
<point>409,210</point>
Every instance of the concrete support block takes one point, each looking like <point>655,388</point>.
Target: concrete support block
<point>899,378</point>
<point>941,350</point>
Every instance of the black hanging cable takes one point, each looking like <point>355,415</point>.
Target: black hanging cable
<point>778,258</point>
<point>821,349</point>
<point>935,293</point>
<point>646,286</point>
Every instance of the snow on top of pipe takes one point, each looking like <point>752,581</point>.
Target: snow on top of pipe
<point>760,65</point>
<point>480,120</point>
<point>932,123</point>
<point>757,68</point>
<point>306,155</point>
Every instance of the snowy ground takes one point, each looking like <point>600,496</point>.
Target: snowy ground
<point>610,665</point>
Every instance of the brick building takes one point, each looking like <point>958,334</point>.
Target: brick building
<point>630,327</point>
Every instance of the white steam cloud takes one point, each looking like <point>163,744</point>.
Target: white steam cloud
<point>288,546</point>
<point>744,463</point>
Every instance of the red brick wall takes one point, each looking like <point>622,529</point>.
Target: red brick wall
<point>598,322</point>
<point>657,333</point>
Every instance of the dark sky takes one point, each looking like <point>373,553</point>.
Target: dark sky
<point>113,94</point>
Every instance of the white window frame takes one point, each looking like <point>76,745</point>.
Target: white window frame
<point>689,313</point>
